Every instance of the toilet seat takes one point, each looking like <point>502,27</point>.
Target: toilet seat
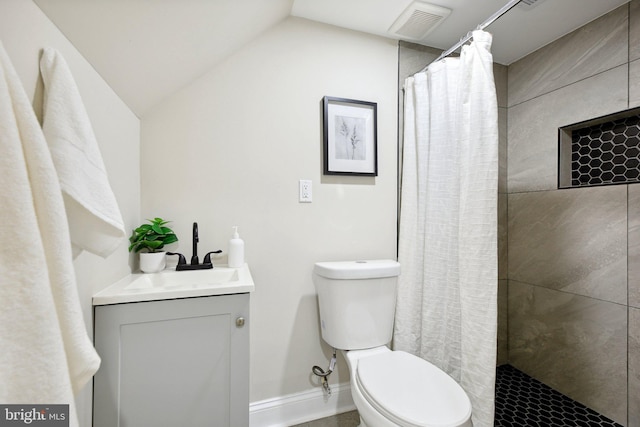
<point>410,391</point>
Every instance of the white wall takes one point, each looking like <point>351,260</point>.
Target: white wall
<point>24,31</point>
<point>230,148</point>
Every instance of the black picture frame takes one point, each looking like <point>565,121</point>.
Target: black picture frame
<point>350,137</point>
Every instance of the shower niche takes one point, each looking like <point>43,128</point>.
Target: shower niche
<point>600,151</point>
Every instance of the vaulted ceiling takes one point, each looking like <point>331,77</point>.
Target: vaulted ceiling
<point>148,49</point>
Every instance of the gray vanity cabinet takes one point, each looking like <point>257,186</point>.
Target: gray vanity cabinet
<point>180,362</point>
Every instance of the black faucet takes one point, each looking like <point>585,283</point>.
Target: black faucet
<point>195,263</point>
<point>195,240</point>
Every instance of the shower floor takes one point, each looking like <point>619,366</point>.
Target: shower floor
<point>523,401</point>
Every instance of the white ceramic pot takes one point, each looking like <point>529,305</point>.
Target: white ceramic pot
<point>152,262</point>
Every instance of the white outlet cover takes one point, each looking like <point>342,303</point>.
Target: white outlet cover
<point>305,192</point>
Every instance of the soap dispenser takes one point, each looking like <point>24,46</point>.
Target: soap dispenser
<point>236,250</point>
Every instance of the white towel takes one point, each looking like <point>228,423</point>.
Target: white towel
<point>45,352</point>
<point>95,220</point>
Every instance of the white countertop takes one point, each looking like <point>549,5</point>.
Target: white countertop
<point>170,284</point>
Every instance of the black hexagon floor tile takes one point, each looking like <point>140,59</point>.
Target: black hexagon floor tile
<point>522,401</point>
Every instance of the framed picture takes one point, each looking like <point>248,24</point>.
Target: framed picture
<point>350,137</point>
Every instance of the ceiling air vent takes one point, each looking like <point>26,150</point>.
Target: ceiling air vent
<point>418,20</point>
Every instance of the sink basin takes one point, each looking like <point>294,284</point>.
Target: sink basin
<point>193,279</point>
<point>170,284</point>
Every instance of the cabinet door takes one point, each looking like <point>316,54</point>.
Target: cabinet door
<point>181,362</point>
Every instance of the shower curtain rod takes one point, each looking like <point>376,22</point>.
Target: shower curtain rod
<point>507,7</point>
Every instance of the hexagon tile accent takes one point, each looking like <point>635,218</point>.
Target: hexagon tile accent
<point>524,401</point>
<point>606,153</point>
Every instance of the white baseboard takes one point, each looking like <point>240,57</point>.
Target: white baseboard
<point>301,407</point>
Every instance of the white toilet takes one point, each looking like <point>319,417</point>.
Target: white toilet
<point>389,388</point>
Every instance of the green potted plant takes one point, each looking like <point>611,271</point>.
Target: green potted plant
<point>149,240</point>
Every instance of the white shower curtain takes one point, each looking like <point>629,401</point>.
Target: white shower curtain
<point>447,308</point>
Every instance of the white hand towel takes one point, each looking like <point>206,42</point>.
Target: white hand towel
<point>95,220</point>
<point>46,354</point>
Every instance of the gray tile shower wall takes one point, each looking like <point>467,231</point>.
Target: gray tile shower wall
<point>574,344</point>
<point>571,240</point>
<point>634,54</point>
<point>574,254</point>
<point>587,51</point>
<point>503,323</point>
<point>633,267</point>
<point>533,125</point>
<point>634,30</point>
<point>634,83</point>
<point>634,367</point>
<point>502,236</point>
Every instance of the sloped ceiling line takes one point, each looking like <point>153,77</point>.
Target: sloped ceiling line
<point>149,49</point>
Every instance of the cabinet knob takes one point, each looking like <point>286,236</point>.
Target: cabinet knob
<point>240,322</point>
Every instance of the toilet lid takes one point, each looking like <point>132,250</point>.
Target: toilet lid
<point>411,391</point>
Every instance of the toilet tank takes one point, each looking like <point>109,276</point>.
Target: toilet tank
<point>357,302</point>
